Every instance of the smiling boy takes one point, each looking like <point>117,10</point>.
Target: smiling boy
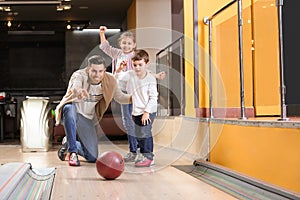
<point>144,99</point>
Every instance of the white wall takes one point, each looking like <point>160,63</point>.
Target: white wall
<point>153,25</point>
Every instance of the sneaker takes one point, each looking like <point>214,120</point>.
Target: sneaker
<point>139,157</point>
<point>130,157</point>
<point>62,152</point>
<point>146,162</point>
<point>73,159</point>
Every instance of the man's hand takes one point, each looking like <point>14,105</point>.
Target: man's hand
<point>80,93</point>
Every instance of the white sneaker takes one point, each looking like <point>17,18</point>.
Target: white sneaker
<point>130,157</point>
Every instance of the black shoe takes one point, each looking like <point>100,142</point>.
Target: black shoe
<point>63,150</point>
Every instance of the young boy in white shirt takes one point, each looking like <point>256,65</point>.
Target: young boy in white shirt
<point>144,98</point>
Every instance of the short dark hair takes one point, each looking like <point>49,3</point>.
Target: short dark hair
<point>140,54</point>
<point>96,60</point>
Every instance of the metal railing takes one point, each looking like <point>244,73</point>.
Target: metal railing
<point>208,21</point>
<point>283,115</point>
<point>171,89</point>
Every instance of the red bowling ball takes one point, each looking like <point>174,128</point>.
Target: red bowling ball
<point>110,165</point>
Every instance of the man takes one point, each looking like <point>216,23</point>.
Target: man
<point>89,93</point>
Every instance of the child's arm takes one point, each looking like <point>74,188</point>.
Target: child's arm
<point>160,75</point>
<point>111,51</point>
<point>123,64</point>
<point>102,30</point>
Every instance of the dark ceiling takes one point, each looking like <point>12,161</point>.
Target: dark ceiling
<point>93,13</point>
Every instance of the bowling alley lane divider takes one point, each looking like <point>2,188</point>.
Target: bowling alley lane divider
<point>20,181</point>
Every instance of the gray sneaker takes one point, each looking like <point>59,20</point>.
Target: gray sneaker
<point>139,157</point>
<point>130,157</point>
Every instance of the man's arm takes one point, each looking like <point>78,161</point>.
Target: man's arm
<point>121,97</point>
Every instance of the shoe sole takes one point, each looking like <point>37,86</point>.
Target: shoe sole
<point>152,164</point>
<point>74,165</point>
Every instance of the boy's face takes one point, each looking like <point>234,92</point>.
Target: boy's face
<point>127,45</point>
<point>140,68</point>
<point>96,73</point>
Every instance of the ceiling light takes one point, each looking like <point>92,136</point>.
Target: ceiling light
<point>63,7</point>
<point>9,24</point>
<point>5,8</point>
<point>67,7</point>
<point>108,31</point>
<point>30,2</point>
<point>77,25</point>
<point>5,5</point>
<point>59,8</point>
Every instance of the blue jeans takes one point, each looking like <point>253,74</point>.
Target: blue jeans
<point>128,123</point>
<point>144,135</point>
<point>73,122</point>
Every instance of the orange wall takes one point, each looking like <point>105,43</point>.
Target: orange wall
<point>267,153</point>
<point>266,58</point>
<point>227,59</point>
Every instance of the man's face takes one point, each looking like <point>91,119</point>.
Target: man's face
<point>96,73</point>
<point>140,68</point>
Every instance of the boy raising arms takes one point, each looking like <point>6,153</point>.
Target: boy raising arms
<point>144,98</point>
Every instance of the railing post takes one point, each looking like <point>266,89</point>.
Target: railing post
<point>283,116</point>
<point>182,103</point>
<point>168,90</point>
<point>209,23</point>
<point>240,28</point>
<point>196,54</point>
<point>158,88</point>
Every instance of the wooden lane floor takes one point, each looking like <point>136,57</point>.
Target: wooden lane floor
<point>161,181</point>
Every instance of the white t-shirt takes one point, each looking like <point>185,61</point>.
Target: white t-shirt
<point>144,92</point>
<point>86,107</point>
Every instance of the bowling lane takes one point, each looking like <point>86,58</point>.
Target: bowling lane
<point>161,181</point>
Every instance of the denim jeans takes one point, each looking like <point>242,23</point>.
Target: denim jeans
<point>128,123</point>
<point>73,122</point>
<point>144,135</point>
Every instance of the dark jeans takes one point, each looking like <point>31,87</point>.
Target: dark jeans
<point>73,122</point>
<point>144,135</point>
